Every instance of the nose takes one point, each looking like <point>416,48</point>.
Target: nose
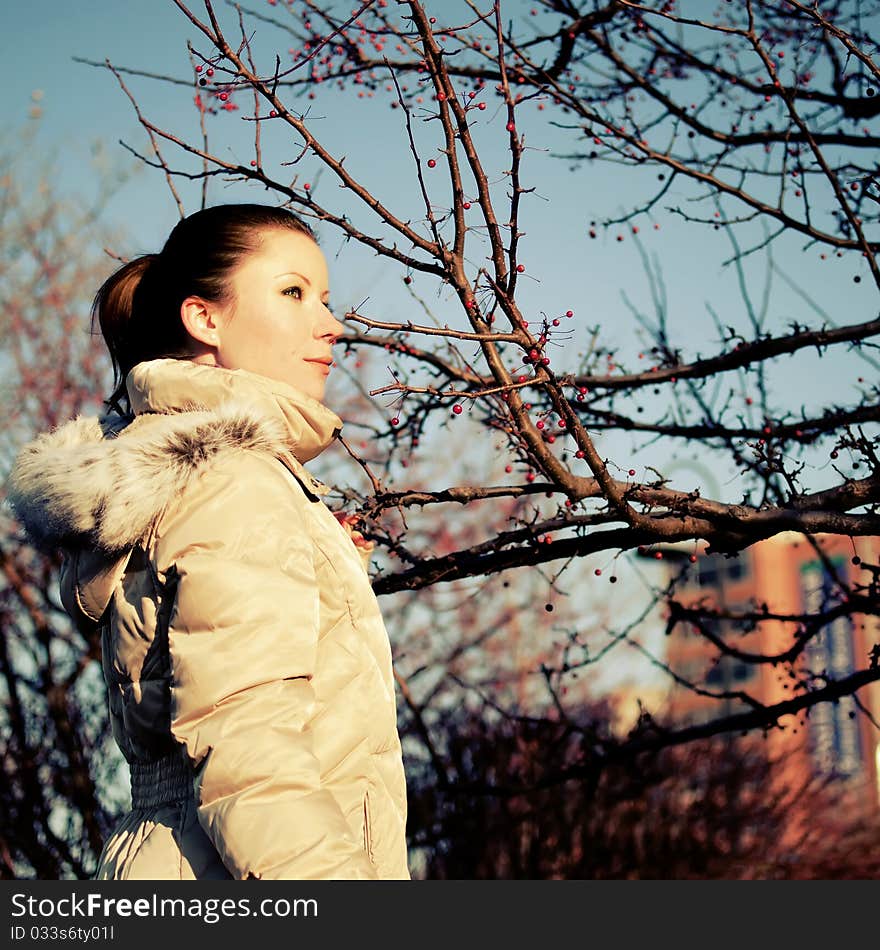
<point>331,326</point>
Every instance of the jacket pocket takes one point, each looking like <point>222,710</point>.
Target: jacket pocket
<point>368,836</point>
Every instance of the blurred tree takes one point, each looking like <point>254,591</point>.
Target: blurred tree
<point>60,788</point>
<point>706,810</point>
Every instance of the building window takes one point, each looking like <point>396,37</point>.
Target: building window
<point>708,575</point>
<point>730,673</point>
<point>737,568</point>
<point>713,570</point>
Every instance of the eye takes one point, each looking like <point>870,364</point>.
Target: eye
<point>295,292</point>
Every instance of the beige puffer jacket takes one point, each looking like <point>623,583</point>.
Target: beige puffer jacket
<point>247,664</point>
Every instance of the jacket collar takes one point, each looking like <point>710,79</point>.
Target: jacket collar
<point>103,482</point>
<point>178,385</point>
<point>95,487</point>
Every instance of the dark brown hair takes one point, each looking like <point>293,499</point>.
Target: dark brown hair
<point>138,306</point>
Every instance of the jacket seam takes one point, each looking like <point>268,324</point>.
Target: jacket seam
<point>368,829</point>
<point>310,495</point>
<point>316,500</point>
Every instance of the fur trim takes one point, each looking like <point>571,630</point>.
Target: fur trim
<point>86,484</point>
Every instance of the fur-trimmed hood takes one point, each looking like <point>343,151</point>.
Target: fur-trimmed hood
<point>101,483</point>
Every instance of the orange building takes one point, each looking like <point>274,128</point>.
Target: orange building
<point>791,577</point>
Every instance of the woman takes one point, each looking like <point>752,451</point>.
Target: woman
<point>247,664</point>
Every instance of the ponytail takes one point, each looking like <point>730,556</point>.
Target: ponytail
<point>134,309</point>
<point>112,310</point>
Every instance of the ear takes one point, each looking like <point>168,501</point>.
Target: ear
<point>202,320</point>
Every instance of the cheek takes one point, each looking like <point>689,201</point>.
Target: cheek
<point>255,338</point>
<point>268,330</point>
<point>273,332</point>
<point>293,333</point>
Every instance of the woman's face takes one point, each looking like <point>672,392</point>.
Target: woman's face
<point>279,324</point>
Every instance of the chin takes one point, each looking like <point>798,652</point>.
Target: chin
<point>316,392</point>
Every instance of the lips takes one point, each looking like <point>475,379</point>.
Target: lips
<point>325,362</point>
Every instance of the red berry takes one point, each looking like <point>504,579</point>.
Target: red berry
<point>223,96</point>
<point>431,163</point>
<point>540,424</point>
<point>579,454</point>
<point>632,471</point>
<point>598,572</point>
<point>307,186</point>
<point>466,205</point>
<point>441,97</point>
<point>520,268</point>
<point>481,106</point>
<point>508,468</point>
<point>198,69</point>
<point>209,71</point>
<point>457,410</point>
<point>511,127</point>
<point>253,163</point>
<point>569,313</point>
<point>693,559</point>
<point>272,114</point>
<point>395,421</point>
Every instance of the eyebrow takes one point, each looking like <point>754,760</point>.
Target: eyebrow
<point>296,273</point>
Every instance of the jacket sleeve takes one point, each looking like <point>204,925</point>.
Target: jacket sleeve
<point>242,631</point>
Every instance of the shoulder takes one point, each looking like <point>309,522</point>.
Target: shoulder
<point>243,501</point>
<point>168,461</point>
<point>239,482</point>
